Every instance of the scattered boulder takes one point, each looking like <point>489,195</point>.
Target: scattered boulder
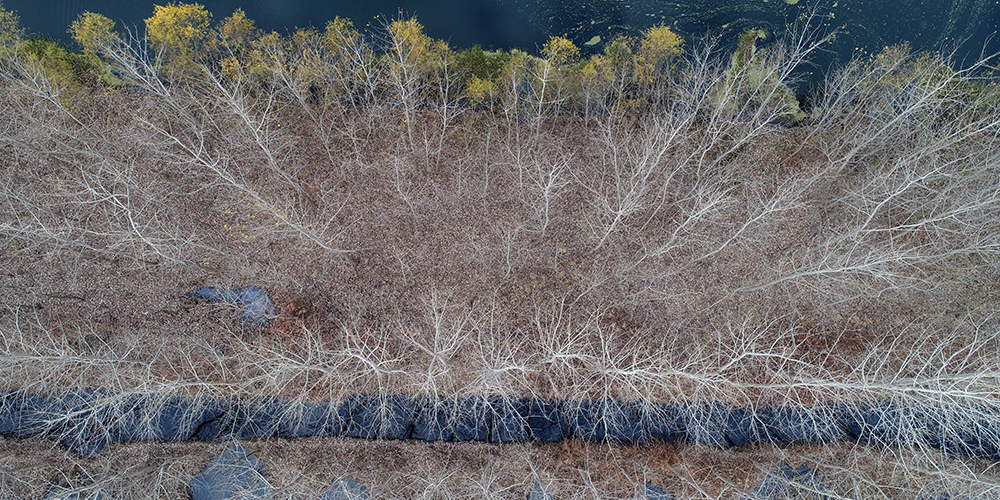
<point>233,474</point>
<point>651,492</point>
<point>539,492</point>
<point>257,306</point>
<point>345,490</point>
<point>785,479</point>
<point>82,487</point>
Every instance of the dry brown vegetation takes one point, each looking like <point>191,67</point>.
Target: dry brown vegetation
<point>694,248</point>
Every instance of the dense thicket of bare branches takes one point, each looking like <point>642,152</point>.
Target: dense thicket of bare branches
<point>540,231</point>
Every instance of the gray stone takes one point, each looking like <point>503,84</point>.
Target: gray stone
<point>345,490</point>
<point>655,492</point>
<point>539,492</point>
<point>257,306</point>
<point>233,474</point>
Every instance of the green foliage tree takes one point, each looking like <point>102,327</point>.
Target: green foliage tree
<point>412,50</point>
<point>480,63</point>
<point>180,32</point>
<point>90,30</point>
<point>480,71</point>
<point>753,82</point>
<point>340,35</point>
<point>560,50</point>
<point>67,72</point>
<point>418,66</point>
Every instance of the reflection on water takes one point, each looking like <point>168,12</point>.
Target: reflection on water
<point>868,24</point>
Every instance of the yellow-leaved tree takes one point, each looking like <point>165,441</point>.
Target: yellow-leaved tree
<point>414,62</point>
<point>551,74</point>
<point>658,53</point>
<point>236,35</point>
<point>237,31</point>
<point>10,28</point>
<point>180,34</point>
<point>90,30</point>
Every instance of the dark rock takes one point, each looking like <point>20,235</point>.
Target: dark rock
<point>777,485</point>
<point>210,419</point>
<point>258,418</point>
<point>436,420</point>
<point>656,492</point>
<point>585,419</point>
<point>24,414</point>
<point>704,423</point>
<point>872,423</point>
<point>233,473</point>
<point>800,425</point>
<point>539,492</point>
<point>257,306</point>
<point>545,422</point>
<point>345,490</point>
<point>973,432</point>
<point>171,419</point>
<point>304,419</point>
<point>742,427</point>
<point>622,421</point>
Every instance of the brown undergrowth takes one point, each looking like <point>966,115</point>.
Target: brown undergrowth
<point>697,252</point>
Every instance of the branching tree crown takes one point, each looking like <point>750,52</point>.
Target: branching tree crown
<point>237,32</point>
<point>658,50</point>
<point>10,27</point>
<point>90,29</point>
<point>181,33</point>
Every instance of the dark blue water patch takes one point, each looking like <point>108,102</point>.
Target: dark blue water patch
<point>509,420</point>
<point>545,423</point>
<point>88,420</point>
<point>460,22</point>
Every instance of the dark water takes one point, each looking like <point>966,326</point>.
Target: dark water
<point>865,24</point>
<point>462,22</point>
